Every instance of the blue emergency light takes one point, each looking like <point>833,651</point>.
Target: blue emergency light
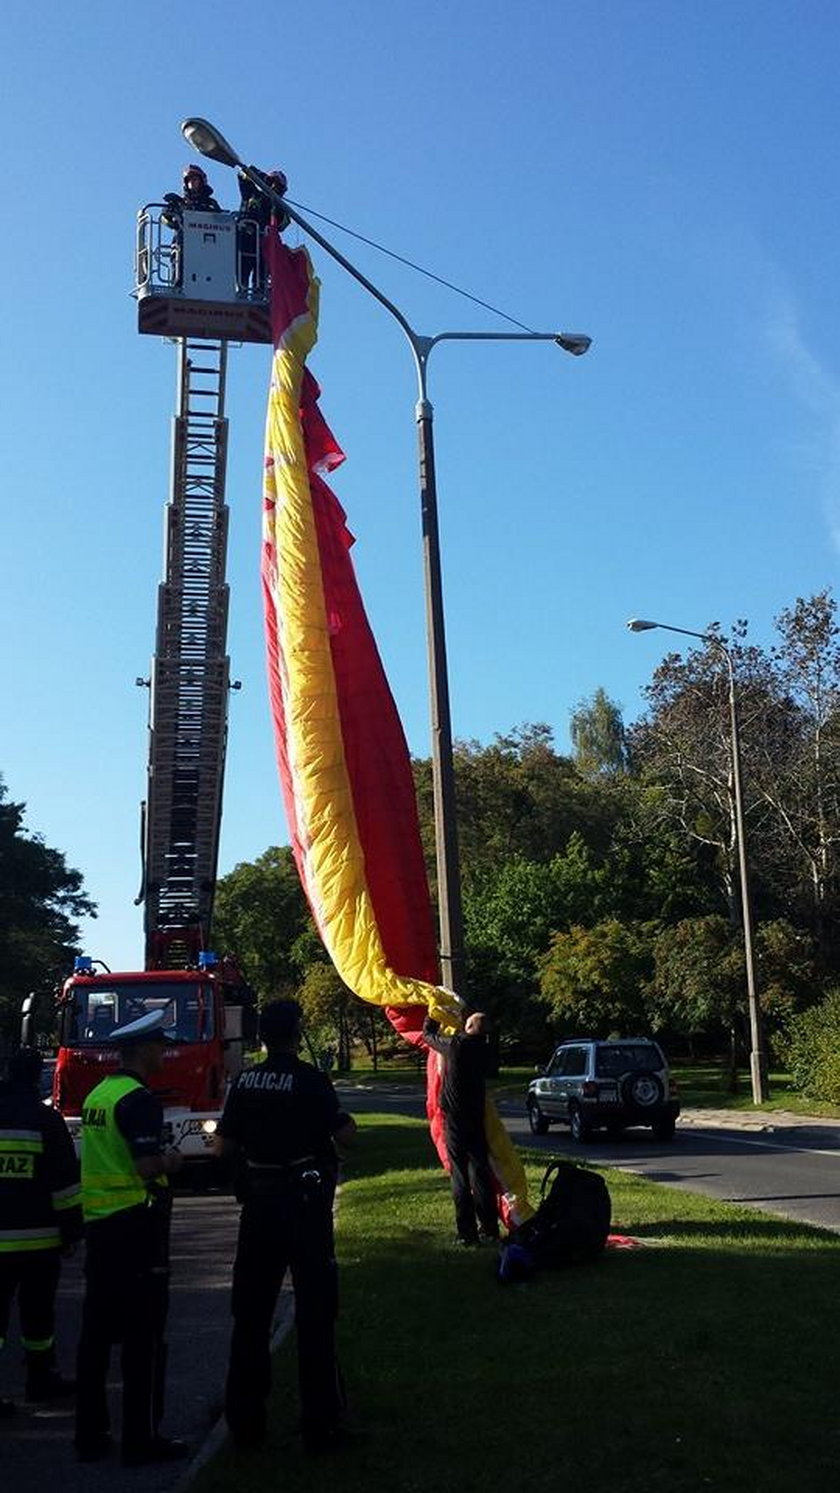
<point>82,965</point>
<point>206,960</point>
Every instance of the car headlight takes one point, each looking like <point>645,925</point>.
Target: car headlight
<point>209,1126</point>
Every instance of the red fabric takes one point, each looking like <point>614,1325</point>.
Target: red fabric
<point>375,749</point>
<point>377,757</point>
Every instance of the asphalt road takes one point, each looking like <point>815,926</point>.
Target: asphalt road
<point>786,1167</point>
<point>36,1446</point>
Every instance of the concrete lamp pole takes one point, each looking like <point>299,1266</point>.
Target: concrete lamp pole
<point>758,1060</point>
<point>210,142</point>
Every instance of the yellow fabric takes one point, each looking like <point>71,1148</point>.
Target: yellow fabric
<point>323,798</point>
<point>324,813</point>
<point>505,1162</point>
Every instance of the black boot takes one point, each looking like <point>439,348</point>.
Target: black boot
<point>43,1381</point>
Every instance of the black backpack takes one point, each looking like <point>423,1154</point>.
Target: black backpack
<point>570,1227</point>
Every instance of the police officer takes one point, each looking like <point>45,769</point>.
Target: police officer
<point>281,1118</point>
<point>126,1201</point>
<point>462,1101</point>
<point>40,1219</point>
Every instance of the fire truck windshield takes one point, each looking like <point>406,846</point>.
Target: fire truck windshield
<point>93,1012</point>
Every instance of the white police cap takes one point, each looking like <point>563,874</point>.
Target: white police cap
<point>142,1030</point>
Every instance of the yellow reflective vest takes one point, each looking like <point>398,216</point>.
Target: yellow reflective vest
<point>110,1180</point>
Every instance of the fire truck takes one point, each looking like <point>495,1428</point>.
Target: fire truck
<point>198,283</point>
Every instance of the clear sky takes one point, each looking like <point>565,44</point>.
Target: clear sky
<point>661,174</point>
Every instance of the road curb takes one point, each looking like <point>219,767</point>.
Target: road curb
<point>217,1436</point>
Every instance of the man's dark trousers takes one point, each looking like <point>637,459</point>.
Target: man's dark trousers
<point>291,1227</point>
<point>126,1301</point>
<point>473,1189</point>
<point>34,1275</point>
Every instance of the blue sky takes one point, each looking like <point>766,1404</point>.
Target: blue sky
<point>660,174</point>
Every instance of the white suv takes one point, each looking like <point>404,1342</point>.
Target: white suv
<point>589,1084</point>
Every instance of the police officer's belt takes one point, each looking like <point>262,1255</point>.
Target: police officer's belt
<point>283,1166</point>
<point>267,1179</point>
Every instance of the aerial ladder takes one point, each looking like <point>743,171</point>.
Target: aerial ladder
<point>190,676</point>
<point>199,284</point>
<point>190,286</point>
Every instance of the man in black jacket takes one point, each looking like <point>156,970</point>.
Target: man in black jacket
<point>281,1120</point>
<point>40,1219</point>
<point>462,1099</point>
<point>197,197</point>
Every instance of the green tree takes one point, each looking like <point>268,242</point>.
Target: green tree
<point>813,1051</point>
<point>684,747</point>
<point>698,978</point>
<point>335,1017</point>
<point>800,758</point>
<point>787,973</point>
<point>699,982</point>
<point>327,1005</point>
<point>509,920</point>
<point>593,979</point>
<point>598,736</point>
<point>262,918</point>
<point>515,797</point>
<point>40,899</point>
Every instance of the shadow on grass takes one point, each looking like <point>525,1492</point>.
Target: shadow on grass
<point>755,1227</point>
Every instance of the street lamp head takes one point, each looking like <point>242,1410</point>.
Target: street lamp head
<point>209,141</point>
<point>638,624</point>
<point>576,343</point>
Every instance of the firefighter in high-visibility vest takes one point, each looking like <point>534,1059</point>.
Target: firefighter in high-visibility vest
<point>126,1201</point>
<point>40,1219</point>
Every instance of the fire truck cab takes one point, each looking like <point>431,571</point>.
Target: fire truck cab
<point>204,1009</point>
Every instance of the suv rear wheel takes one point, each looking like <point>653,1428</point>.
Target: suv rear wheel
<point>579,1125</point>
<point>536,1119</point>
<point>642,1090</point>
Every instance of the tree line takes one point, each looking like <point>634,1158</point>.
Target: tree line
<point>601,888</point>
<point>41,898</point>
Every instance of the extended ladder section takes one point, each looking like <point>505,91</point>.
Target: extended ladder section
<point>190,673</point>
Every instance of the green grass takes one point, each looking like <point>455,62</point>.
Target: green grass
<point>706,1086</point>
<point>707,1358</point>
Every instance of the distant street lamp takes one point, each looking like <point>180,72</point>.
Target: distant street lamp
<point>211,142</point>
<point>758,1063</point>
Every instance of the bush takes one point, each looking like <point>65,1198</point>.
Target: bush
<point>813,1050</point>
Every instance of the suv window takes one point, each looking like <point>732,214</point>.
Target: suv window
<point>558,1063</point>
<point>575,1063</point>
<point>616,1058</point>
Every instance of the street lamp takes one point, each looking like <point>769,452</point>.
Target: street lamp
<point>758,1065</point>
<point>209,141</point>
